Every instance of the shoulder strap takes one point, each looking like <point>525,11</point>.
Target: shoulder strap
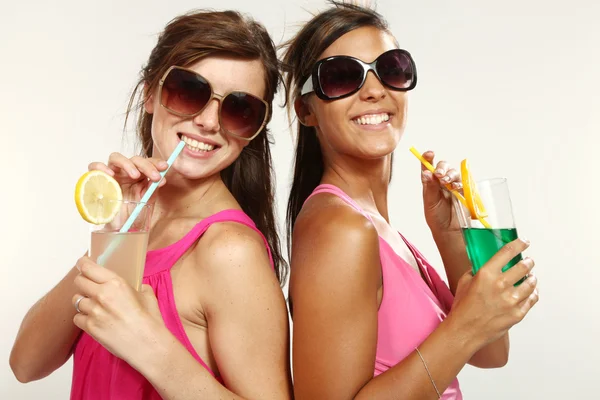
<point>230,215</point>
<point>336,191</point>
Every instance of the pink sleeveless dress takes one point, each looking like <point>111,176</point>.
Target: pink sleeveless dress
<point>411,308</point>
<point>97,374</point>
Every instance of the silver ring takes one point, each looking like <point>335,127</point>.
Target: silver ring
<point>77,303</point>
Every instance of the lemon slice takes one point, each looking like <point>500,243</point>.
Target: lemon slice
<point>472,199</point>
<point>98,196</point>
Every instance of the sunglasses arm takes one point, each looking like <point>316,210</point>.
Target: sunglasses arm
<point>307,87</point>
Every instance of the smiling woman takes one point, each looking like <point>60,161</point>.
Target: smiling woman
<point>211,300</point>
<point>372,318</point>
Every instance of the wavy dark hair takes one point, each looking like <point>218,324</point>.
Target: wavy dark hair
<point>203,33</point>
<point>300,55</point>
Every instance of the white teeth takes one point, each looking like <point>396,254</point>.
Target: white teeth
<point>374,119</point>
<point>206,146</point>
<point>195,145</point>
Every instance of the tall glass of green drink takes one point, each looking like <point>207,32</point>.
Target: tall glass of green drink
<point>484,236</point>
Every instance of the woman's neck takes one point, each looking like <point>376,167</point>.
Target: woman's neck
<point>181,197</point>
<point>366,181</point>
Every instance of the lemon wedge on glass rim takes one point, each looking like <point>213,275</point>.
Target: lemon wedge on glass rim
<point>472,198</point>
<point>97,197</point>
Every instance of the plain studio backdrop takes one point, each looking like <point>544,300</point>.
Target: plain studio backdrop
<point>513,86</point>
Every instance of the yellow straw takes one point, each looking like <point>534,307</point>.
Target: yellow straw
<point>459,196</point>
<point>430,167</point>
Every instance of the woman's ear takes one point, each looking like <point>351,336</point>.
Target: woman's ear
<point>305,115</point>
<point>148,99</point>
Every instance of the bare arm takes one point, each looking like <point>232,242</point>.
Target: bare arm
<point>456,262</point>
<point>454,256</point>
<point>247,324</point>
<point>47,334</point>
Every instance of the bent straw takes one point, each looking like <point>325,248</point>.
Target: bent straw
<point>136,211</point>
<point>459,196</point>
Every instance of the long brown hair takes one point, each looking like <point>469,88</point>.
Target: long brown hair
<point>185,40</point>
<point>301,53</point>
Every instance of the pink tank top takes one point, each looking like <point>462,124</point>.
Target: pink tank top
<point>97,374</point>
<point>411,308</point>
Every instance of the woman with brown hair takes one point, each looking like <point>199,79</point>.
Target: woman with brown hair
<point>210,321</point>
<point>372,318</point>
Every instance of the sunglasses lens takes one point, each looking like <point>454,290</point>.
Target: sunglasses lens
<point>242,114</point>
<point>340,76</point>
<point>185,92</point>
<point>395,68</point>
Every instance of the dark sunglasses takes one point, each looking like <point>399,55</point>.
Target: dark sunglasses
<point>185,93</point>
<point>337,77</point>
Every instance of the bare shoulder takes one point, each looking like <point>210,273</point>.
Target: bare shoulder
<point>234,259</point>
<point>333,240</point>
<point>327,220</point>
<point>230,246</point>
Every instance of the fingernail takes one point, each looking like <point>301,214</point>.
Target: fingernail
<point>426,175</point>
<point>155,175</point>
<point>133,172</point>
<point>163,164</point>
<point>445,179</point>
<point>526,241</point>
<point>439,172</point>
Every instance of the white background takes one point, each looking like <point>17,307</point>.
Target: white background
<point>512,85</point>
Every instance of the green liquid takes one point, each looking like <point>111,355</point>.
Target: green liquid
<point>482,244</point>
